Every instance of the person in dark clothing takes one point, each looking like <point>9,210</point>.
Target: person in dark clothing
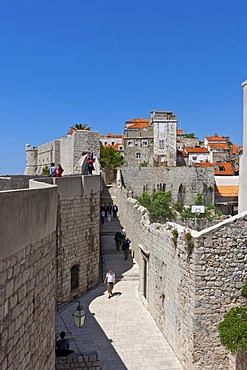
<point>118,240</point>
<point>62,346</point>
<point>115,210</point>
<point>90,168</point>
<point>125,247</point>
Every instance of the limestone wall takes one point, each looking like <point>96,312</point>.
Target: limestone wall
<point>44,231</point>
<point>47,153</point>
<point>88,361</point>
<point>27,279</point>
<point>78,243</point>
<point>188,294</point>
<point>183,182</point>
<point>67,158</point>
<point>66,150</point>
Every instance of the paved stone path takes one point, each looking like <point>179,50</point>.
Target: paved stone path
<point>120,328</point>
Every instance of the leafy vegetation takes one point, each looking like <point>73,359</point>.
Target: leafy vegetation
<point>159,206</point>
<point>162,210</point>
<point>109,158</point>
<point>233,329</point>
<point>190,136</point>
<point>45,170</point>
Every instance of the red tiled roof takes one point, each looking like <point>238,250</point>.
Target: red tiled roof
<point>226,172</point>
<point>196,149</point>
<point>115,146</point>
<point>227,191</point>
<point>117,136</point>
<point>112,135</point>
<point>227,169</point>
<point>180,131</point>
<point>218,146</point>
<point>138,125</point>
<point>138,120</point>
<point>215,138</point>
<point>234,149</point>
<point>204,164</point>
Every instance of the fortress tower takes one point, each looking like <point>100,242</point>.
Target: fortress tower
<point>165,137</point>
<point>31,160</point>
<point>242,199</point>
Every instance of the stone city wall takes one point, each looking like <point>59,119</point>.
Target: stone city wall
<point>27,279</point>
<point>48,153</point>
<point>45,230</point>
<point>66,151</point>
<point>78,243</point>
<point>183,182</point>
<point>85,141</point>
<point>14,182</point>
<point>67,157</point>
<point>188,291</point>
<point>88,361</point>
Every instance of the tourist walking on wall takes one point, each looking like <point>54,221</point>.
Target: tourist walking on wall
<point>110,280</point>
<point>126,248</point>
<point>115,210</point>
<point>59,170</point>
<point>118,240</point>
<point>52,170</point>
<point>123,234</point>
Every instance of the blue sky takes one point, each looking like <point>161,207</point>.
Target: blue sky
<point>104,62</point>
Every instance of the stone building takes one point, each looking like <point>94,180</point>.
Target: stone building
<point>164,125</point>
<point>218,147</point>
<point>138,143</point>
<point>151,142</point>
<point>67,151</point>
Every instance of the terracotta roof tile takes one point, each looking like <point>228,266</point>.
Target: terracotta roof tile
<point>234,149</point>
<point>112,135</point>
<point>227,169</point>
<point>218,146</point>
<point>204,164</point>
<point>138,120</point>
<point>196,149</point>
<point>215,138</point>
<point>138,126</point>
<point>227,191</point>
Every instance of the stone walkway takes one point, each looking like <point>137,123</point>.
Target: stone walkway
<point>120,328</point>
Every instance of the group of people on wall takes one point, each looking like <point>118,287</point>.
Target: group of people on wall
<point>108,211</point>
<point>121,240</point>
<point>55,171</point>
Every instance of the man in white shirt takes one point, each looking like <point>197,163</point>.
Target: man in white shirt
<point>110,280</point>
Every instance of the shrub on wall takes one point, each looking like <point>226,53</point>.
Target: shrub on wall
<point>159,206</point>
<point>233,329</point>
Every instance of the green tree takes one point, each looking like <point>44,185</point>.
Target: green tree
<point>233,329</point>
<point>80,126</point>
<point>109,158</point>
<point>159,206</point>
<point>199,199</point>
<point>190,136</point>
<point>45,170</point>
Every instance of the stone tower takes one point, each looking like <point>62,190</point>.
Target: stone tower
<point>165,137</point>
<point>31,160</point>
<point>242,198</point>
